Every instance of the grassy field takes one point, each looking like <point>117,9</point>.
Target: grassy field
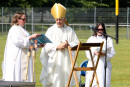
<point>120,62</point>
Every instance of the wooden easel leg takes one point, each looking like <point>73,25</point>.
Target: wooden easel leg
<point>94,73</point>
<point>97,64</point>
<point>92,80</point>
<point>72,63</point>
<point>97,79</point>
<point>92,66</point>
<point>70,78</point>
<point>77,85</point>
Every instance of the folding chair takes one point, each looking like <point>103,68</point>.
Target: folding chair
<point>83,73</point>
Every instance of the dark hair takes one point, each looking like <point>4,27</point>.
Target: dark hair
<point>103,26</point>
<point>16,16</point>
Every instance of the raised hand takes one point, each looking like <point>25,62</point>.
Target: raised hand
<point>34,36</point>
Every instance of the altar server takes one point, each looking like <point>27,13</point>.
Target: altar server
<point>98,37</point>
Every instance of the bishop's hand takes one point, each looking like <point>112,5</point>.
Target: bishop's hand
<point>63,45</point>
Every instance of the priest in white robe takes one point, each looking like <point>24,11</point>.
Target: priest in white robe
<point>55,59</point>
<point>99,38</point>
<point>14,65</point>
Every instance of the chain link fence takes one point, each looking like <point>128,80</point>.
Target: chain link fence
<point>39,19</point>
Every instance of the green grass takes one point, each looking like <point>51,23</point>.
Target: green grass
<point>120,62</point>
<point>121,69</point>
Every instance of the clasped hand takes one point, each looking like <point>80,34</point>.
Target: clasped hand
<point>63,45</point>
<point>97,53</point>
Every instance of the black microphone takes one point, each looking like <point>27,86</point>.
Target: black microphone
<point>92,27</point>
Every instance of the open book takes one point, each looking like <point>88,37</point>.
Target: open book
<point>42,39</point>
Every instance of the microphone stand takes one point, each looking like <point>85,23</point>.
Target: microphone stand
<point>105,66</point>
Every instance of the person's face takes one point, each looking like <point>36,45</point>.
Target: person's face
<point>60,22</point>
<point>22,20</point>
<point>100,29</point>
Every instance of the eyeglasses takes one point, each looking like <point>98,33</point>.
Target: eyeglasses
<point>99,29</point>
<point>24,19</point>
<point>59,19</point>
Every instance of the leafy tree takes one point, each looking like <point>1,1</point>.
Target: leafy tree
<point>66,3</point>
<point>21,3</point>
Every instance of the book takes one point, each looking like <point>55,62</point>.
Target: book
<point>42,39</point>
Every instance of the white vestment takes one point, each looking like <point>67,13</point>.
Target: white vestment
<point>15,56</point>
<point>100,68</point>
<point>56,64</point>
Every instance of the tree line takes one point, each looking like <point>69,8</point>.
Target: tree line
<point>66,3</point>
